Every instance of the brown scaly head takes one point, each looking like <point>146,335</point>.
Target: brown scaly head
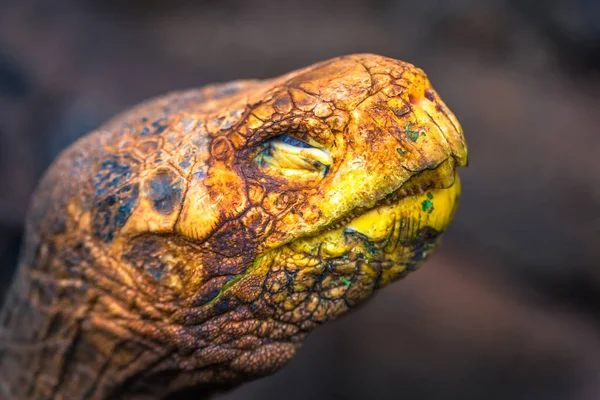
<point>194,241</point>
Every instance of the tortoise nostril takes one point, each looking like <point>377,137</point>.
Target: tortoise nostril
<point>429,95</point>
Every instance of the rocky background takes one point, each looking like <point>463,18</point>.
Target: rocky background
<point>509,306</point>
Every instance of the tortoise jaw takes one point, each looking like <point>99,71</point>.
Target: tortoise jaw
<point>389,240</point>
<point>442,176</point>
<point>428,205</point>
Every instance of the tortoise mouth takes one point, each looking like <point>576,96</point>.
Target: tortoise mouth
<point>443,176</point>
<point>427,201</point>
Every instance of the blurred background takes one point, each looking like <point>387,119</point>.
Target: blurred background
<point>509,307</point>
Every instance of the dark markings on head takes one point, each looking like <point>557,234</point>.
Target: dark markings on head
<point>112,212</point>
<point>185,163</point>
<point>113,172</point>
<point>165,190</point>
<point>200,174</point>
<point>156,128</point>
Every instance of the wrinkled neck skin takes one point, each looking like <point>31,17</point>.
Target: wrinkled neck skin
<point>193,242</point>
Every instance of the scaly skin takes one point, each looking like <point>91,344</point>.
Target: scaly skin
<point>192,243</point>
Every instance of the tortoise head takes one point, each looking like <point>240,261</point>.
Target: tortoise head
<point>228,222</point>
<point>332,181</point>
<point>306,193</point>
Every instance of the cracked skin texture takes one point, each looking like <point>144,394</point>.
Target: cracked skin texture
<point>192,242</point>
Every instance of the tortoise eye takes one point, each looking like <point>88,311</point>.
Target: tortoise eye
<point>291,156</point>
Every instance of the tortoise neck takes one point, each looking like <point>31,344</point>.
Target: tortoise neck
<point>48,352</point>
<point>56,342</point>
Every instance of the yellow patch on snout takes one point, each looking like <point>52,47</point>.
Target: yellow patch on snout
<point>433,208</point>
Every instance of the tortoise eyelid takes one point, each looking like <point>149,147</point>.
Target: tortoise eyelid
<point>292,141</point>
